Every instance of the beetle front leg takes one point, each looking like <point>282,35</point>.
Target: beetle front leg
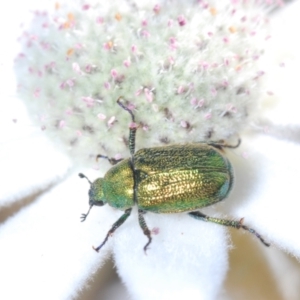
<point>145,229</point>
<point>231,223</point>
<point>115,226</point>
<point>221,144</point>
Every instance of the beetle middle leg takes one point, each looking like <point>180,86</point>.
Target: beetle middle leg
<point>145,229</point>
<point>231,223</point>
<point>112,160</point>
<point>115,226</point>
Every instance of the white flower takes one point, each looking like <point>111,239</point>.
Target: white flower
<point>45,252</point>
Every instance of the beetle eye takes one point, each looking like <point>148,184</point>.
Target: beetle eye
<point>98,203</point>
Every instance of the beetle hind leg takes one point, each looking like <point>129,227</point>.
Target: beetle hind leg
<point>132,128</point>
<point>230,223</point>
<point>115,226</point>
<point>145,229</point>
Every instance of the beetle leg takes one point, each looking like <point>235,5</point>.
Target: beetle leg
<point>112,161</point>
<point>145,229</point>
<point>221,144</point>
<point>231,223</point>
<point>115,226</point>
<point>132,128</point>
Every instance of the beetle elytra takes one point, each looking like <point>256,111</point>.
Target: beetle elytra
<point>168,179</point>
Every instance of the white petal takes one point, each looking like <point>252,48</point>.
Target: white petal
<point>29,162</point>
<point>186,259</point>
<point>267,190</point>
<point>46,252</point>
<point>282,60</point>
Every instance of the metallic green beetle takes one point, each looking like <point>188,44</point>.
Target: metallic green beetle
<point>168,179</point>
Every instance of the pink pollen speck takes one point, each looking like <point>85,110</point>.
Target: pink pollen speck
<point>111,121</point>
<point>226,40</point>
<point>181,20</point>
<point>107,46</point>
<point>225,83</point>
<point>149,95</point>
<point>213,92</point>
<point>127,63</point>
<point>101,116</point>
<point>107,85</point>
<point>145,127</point>
<point>156,8</point>
<point>138,92</point>
<point>194,101</point>
<point>204,65</point>
<point>118,156</point>
<point>170,23</point>
<point>36,93</point>
<point>133,48</point>
<point>62,85</point>
<point>144,23</point>
<point>61,124</point>
<point>133,125</point>
<point>69,112</point>
<point>180,90</point>
<point>226,62</point>
<point>76,68</point>
<point>155,230</point>
<point>183,124</point>
<point>88,68</point>
<point>99,20</point>
<point>197,103</point>
<point>114,73</point>
<point>89,101</point>
<point>173,43</point>
<point>70,82</point>
<point>231,108</point>
<point>85,7</point>
<point>78,133</point>
<point>207,116</point>
<point>145,33</point>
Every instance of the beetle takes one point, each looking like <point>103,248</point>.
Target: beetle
<point>169,179</point>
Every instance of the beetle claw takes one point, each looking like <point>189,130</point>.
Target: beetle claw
<point>83,217</point>
<point>96,249</point>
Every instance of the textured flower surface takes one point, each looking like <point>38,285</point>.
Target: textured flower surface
<point>190,71</point>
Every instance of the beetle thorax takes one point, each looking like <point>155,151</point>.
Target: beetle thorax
<point>118,186</point>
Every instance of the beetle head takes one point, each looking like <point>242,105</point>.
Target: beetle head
<point>96,194</point>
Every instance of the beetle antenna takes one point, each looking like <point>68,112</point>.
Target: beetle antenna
<point>83,216</point>
<point>83,176</point>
